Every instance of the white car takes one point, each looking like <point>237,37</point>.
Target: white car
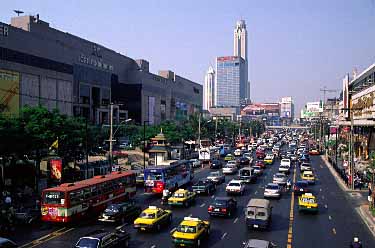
<point>195,163</point>
<point>235,187</point>
<point>279,178</point>
<point>285,161</point>
<point>247,155</point>
<point>272,190</point>
<point>254,145</point>
<point>230,169</point>
<point>305,167</point>
<point>284,169</point>
<point>237,152</point>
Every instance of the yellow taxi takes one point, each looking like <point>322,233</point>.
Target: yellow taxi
<point>190,232</point>
<point>229,157</point>
<point>153,218</point>
<point>268,159</point>
<point>307,203</point>
<point>182,197</point>
<point>308,176</point>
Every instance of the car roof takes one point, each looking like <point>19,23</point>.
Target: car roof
<point>257,243</point>
<point>97,234</point>
<point>223,198</point>
<point>302,181</point>
<point>272,184</point>
<point>235,181</point>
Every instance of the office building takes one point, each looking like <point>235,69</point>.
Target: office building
<point>208,89</point>
<point>230,85</point>
<point>240,50</point>
<point>287,110</point>
<point>43,65</point>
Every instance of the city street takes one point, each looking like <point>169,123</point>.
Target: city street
<point>334,226</point>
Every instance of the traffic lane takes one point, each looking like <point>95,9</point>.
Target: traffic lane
<point>238,231</point>
<point>27,235</point>
<point>337,220</point>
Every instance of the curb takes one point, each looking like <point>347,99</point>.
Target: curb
<point>338,179</point>
<point>366,220</point>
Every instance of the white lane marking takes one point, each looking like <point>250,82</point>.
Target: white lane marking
<point>334,231</point>
<point>329,217</point>
<point>235,220</point>
<point>225,234</point>
<point>256,192</point>
<point>153,246</point>
<point>326,206</point>
<point>202,205</point>
<point>212,196</point>
<point>320,190</point>
<point>323,197</point>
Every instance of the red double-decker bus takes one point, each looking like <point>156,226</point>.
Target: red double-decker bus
<point>72,201</point>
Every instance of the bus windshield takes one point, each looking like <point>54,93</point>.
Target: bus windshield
<point>54,197</point>
<point>153,175</point>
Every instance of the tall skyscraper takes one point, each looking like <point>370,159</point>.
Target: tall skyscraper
<point>230,85</point>
<point>208,89</point>
<point>240,49</point>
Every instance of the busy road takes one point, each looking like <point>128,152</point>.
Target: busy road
<point>335,224</point>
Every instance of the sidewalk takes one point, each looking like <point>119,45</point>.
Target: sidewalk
<point>363,208</point>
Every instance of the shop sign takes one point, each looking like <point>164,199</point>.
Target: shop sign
<point>363,104</point>
<point>4,30</point>
<point>56,169</point>
<point>96,62</point>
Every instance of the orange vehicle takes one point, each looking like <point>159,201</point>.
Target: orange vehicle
<point>70,202</point>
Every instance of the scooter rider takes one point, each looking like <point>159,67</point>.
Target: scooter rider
<point>356,243</point>
<point>166,194</point>
<point>288,184</point>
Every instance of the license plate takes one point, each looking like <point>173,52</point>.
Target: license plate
<point>217,210</point>
<point>142,228</point>
<point>256,226</point>
<point>308,207</point>
<point>198,192</point>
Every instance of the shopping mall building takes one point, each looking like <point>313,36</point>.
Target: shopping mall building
<point>43,65</point>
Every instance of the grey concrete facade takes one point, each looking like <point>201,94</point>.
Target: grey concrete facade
<point>77,76</point>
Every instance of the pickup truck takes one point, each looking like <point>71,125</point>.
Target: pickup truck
<point>204,187</point>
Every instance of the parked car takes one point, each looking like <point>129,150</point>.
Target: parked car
<point>120,213</point>
<point>222,206</point>
<point>195,163</point>
<point>204,187</point>
<point>216,164</point>
<point>100,239</point>
<point>272,190</point>
<point>279,178</point>
<point>217,177</point>
<point>235,187</point>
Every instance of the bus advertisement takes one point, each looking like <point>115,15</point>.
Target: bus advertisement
<point>70,202</point>
<point>169,177</point>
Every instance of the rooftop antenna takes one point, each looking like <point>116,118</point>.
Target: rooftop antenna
<point>18,12</point>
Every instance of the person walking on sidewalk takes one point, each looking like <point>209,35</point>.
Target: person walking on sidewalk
<point>369,197</point>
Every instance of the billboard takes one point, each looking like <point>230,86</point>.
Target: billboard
<point>9,92</point>
<point>56,169</point>
<point>314,107</point>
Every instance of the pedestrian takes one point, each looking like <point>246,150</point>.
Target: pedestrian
<point>369,197</point>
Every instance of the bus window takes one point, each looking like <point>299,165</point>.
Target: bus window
<point>54,197</point>
<point>155,175</point>
<point>76,197</point>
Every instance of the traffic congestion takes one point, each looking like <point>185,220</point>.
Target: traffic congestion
<point>257,193</point>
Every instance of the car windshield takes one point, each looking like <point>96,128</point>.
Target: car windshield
<point>214,174</point>
<point>220,203</point>
<point>186,229</point>
<point>301,184</point>
<point>279,176</point>
<point>145,215</point>
<point>112,209</point>
<point>234,184</point>
<point>178,195</point>
<point>308,200</point>
<point>245,173</point>
<point>87,243</point>
<point>272,187</point>
<point>201,182</point>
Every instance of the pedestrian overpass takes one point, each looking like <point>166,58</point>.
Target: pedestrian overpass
<point>287,127</point>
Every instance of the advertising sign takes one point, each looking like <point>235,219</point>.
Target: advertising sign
<point>56,169</point>
<point>363,104</point>
<point>9,92</point>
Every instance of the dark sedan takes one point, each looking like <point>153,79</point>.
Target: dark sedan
<point>120,213</point>
<point>244,161</point>
<point>223,206</point>
<point>301,187</point>
<point>204,187</point>
<point>261,164</point>
<point>216,164</point>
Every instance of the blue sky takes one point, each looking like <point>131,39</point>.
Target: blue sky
<point>296,47</point>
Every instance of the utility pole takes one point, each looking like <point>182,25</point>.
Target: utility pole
<point>111,136</point>
<point>199,131</point>
<point>215,128</point>
<point>351,157</point>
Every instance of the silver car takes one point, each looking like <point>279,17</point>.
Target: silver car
<point>230,169</point>
<point>280,178</point>
<point>272,190</point>
<point>217,177</point>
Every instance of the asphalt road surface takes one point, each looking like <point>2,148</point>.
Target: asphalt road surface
<point>334,226</point>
